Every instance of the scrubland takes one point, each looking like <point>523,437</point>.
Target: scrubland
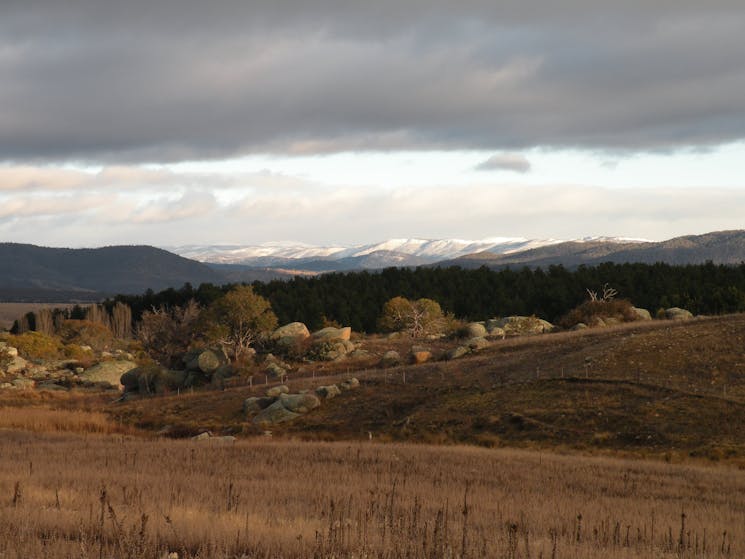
<point>87,495</point>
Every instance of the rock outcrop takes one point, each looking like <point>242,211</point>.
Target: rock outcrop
<point>279,406</point>
<point>676,313</point>
<point>524,325</point>
<point>328,392</point>
<point>642,314</point>
<point>475,330</point>
<point>332,334</point>
<point>110,372</point>
<point>290,334</point>
<point>390,359</point>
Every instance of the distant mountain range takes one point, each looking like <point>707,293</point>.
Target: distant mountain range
<point>30,272</point>
<point>393,252</point>
<point>723,247</point>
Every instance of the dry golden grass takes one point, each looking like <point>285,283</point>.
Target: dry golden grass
<point>48,420</point>
<point>90,496</point>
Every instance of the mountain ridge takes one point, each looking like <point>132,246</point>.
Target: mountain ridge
<point>106,270</point>
<point>390,252</point>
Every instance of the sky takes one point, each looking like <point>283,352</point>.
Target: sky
<point>334,122</point>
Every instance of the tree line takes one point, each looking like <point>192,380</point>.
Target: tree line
<point>357,298</point>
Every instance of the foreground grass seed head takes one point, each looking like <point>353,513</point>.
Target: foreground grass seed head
<point>93,496</point>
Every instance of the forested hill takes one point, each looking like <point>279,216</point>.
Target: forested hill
<point>116,269</point>
<point>356,299</point>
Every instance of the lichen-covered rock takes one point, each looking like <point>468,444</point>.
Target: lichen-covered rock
<point>255,405</point>
<point>109,371</point>
<point>475,344</point>
<point>290,334</point>
<point>641,314</point>
<point>350,384</point>
<point>458,352</point>
<point>7,350</point>
<point>496,332</point>
<point>328,392</point>
<point>275,391</point>
<point>22,383</point>
<point>390,359</point>
<point>275,414</point>
<point>332,334</point>
<point>475,330</point>
<point>521,325</point>
<point>299,403</point>
<point>676,313</point>
<point>15,365</point>
<point>207,361</point>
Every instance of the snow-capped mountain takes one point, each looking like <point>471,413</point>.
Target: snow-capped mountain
<point>392,252</point>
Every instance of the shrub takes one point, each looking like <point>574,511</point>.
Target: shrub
<point>35,345</point>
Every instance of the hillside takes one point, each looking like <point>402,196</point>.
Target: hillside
<point>109,270</point>
<point>655,388</point>
<point>722,247</point>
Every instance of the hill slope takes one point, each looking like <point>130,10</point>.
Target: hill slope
<point>116,269</point>
<point>721,247</point>
<point>654,388</point>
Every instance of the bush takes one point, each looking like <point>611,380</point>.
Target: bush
<point>35,345</point>
<point>591,312</point>
<point>85,332</point>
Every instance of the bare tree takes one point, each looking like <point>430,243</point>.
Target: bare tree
<point>418,318</point>
<point>608,294</point>
<point>44,321</point>
<point>121,321</point>
<point>98,314</point>
<point>166,333</point>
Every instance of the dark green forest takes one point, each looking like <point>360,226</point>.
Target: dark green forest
<point>356,298</point>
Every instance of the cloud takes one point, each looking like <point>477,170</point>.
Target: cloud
<point>172,80</point>
<point>505,162</point>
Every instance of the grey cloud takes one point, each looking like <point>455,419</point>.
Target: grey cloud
<point>175,80</point>
<point>505,162</point>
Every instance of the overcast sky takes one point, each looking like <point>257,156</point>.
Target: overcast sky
<point>173,122</point>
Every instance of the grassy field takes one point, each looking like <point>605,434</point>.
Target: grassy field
<point>90,496</point>
<point>83,476</point>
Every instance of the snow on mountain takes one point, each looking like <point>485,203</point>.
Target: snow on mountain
<point>229,254</point>
<point>396,250</point>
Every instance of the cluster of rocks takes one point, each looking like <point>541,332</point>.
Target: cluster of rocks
<point>480,335</point>
<point>327,344</point>
<point>61,374</point>
<point>673,313</point>
<point>417,355</point>
<point>280,406</point>
<point>207,366</point>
